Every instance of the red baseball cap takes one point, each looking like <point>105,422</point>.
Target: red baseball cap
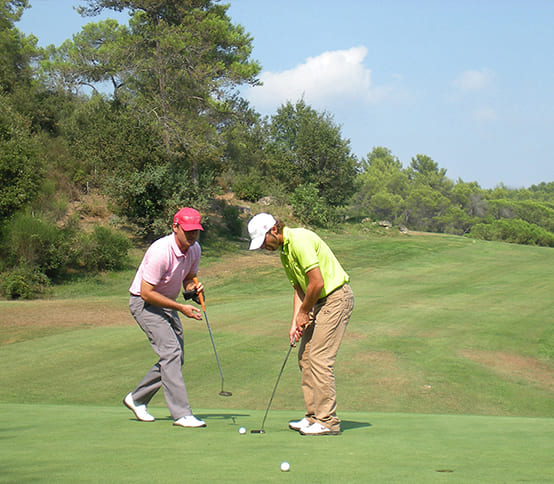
<point>188,219</point>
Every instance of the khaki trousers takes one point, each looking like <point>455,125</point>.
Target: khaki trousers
<point>317,354</point>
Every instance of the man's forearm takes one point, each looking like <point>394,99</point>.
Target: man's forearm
<point>157,299</point>
<point>313,290</point>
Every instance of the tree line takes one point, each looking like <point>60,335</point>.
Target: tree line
<point>149,115</point>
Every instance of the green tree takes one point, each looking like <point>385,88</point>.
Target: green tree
<point>188,58</point>
<point>95,55</point>
<point>306,147</point>
<point>424,207</point>
<point>20,169</point>
<point>382,186</point>
<point>176,70</point>
<point>245,169</point>
<point>530,211</point>
<point>470,198</point>
<point>385,205</point>
<point>542,192</point>
<point>106,141</point>
<point>16,50</point>
<point>424,171</point>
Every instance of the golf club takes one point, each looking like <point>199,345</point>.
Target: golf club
<point>261,430</point>
<point>222,393</point>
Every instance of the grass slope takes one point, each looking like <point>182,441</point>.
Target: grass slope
<point>440,325</point>
<point>446,366</point>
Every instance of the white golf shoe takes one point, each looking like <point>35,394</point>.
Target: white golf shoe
<point>300,424</point>
<point>317,429</point>
<point>139,410</point>
<point>189,421</point>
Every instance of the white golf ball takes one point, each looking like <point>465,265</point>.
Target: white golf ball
<point>242,430</point>
<point>285,466</point>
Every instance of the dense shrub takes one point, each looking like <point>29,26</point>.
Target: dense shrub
<point>232,220</point>
<point>149,198</point>
<point>249,187</point>
<point>102,249</point>
<point>514,231</point>
<point>35,252</point>
<point>538,213</point>
<point>36,242</point>
<point>310,208</point>
<point>23,282</point>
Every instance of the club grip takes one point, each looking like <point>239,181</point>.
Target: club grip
<point>200,295</point>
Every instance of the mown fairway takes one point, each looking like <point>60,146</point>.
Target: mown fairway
<point>442,326</point>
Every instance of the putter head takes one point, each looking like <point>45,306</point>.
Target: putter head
<point>261,431</point>
<point>225,394</point>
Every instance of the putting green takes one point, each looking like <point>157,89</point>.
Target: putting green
<point>72,443</point>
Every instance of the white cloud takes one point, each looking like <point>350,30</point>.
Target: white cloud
<point>330,77</point>
<point>473,80</point>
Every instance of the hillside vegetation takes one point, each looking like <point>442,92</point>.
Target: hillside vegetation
<point>87,128</point>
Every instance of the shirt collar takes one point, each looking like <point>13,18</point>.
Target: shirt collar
<point>175,247</point>
<point>285,246</point>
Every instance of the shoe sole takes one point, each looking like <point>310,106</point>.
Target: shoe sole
<point>328,432</point>
<point>296,429</point>
<point>135,413</point>
<point>189,426</point>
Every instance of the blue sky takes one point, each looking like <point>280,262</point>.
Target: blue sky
<point>469,83</point>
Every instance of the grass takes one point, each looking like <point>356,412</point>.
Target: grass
<point>70,443</point>
<point>446,366</point>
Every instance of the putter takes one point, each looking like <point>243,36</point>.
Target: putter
<point>222,393</point>
<point>261,430</point>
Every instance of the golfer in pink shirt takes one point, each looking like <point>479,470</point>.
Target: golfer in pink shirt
<point>168,267</point>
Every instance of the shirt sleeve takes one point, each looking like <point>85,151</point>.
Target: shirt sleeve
<point>155,266</point>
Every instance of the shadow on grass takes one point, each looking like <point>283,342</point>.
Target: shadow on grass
<point>350,425</point>
<point>222,416</point>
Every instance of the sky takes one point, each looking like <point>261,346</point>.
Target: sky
<point>469,83</point>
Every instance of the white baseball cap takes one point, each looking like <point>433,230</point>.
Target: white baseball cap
<point>258,226</point>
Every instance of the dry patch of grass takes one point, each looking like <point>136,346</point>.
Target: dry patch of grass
<point>510,366</point>
<point>23,320</point>
<point>243,261</point>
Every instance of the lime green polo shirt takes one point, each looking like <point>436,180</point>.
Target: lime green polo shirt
<point>302,251</point>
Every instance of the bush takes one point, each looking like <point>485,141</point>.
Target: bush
<point>140,197</point>
<point>35,252</point>
<point>530,211</point>
<point>514,231</point>
<point>149,198</point>
<point>23,282</point>
<point>310,208</point>
<point>232,220</point>
<point>38,243</point>
<point>102,249</point>
<point>249,187</point>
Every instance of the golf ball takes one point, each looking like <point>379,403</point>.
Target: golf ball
<point>242,430</point>
<point>285,466</point>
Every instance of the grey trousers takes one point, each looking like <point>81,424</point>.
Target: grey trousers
<point>165,333</point>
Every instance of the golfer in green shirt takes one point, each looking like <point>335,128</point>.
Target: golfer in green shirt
<point>322,305</point>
